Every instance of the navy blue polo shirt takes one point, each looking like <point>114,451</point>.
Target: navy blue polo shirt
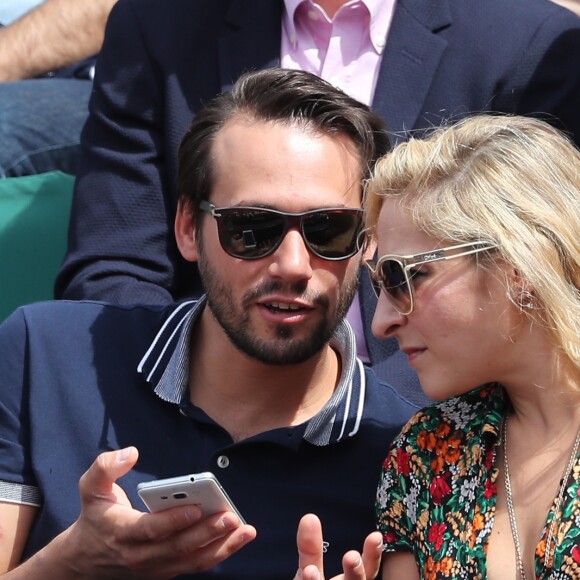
<point>79,378</point>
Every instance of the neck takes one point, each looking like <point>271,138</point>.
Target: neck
<point>331,7</point>
<point>547,399</point>
<point>542,384</point>
<point>545,419</point>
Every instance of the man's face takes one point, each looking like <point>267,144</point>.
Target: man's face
<point>280,309</point>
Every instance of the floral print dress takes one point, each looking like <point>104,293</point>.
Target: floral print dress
<point>438,491</point>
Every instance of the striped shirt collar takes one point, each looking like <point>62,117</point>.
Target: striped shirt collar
<point>165,367</point>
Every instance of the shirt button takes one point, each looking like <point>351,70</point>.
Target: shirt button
<point>380,41</point>
<point>223,461</point>
<point>313,15</point>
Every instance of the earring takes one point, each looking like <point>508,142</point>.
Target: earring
<point>525,299</point>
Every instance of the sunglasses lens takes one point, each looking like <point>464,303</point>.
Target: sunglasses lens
<point>390,278</point>
<point>332,234</point>
<point>251,233</point>
<point>393,281</point>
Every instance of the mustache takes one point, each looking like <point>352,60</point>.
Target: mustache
<point>297,291</point>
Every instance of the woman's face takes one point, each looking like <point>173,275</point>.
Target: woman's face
<point>463,330</point>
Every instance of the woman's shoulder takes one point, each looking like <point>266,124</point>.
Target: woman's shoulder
<point>474,413</point>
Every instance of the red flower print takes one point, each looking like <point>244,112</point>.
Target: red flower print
<point>576,554</point>
<point>389,538</point>
<point>436,532</point>
<point>489,459</point>
<point>439,487</point>
<point>490,489</point>
<point>403,462</point>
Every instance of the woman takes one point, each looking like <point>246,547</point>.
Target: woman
<point>478,233</point>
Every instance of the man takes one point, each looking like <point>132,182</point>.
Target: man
<point>257,382</point>
<point>418,62</point>
<point>46,68</point>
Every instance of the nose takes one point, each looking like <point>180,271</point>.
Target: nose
<point>292,259</point>
<point>386,319</point>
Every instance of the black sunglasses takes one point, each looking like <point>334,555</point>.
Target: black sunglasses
<point>250,233</point>
<point>393,274</point>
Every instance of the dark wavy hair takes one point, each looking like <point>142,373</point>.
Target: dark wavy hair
<point>278,95</point>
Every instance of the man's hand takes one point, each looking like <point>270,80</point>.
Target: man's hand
<point>112,540</point>
<point>355,566</point>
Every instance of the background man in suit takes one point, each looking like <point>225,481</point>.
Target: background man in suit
<point>418,62</point>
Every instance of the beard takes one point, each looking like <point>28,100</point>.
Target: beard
<point>284,348</point>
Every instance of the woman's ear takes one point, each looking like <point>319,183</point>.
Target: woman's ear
<point>521,292</point>
<point>185,232</point>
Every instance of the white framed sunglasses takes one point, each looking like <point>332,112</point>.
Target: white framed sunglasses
<point>393,274</point>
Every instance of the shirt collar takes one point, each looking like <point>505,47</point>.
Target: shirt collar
<point>381,12</point>
<point>484,407</point>
<point>165,366</point>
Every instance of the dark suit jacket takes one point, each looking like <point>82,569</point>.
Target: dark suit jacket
<point>162,60</point>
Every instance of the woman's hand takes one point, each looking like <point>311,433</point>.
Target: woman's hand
<point>354,565</point>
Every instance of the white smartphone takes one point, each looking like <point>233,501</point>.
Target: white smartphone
<point>200,489</point>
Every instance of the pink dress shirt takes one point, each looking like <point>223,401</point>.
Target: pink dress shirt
<point>345,51</point>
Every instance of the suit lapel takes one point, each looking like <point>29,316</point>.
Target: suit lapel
<point>410,61</point>
<point>251,40</point>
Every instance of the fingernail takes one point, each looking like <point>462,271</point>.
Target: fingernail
<point>229,522</point>
<point>191,514</point>
<point>244,539</point>
<point>123,454</point>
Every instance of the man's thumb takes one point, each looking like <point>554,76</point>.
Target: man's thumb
<point>98,480</point>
